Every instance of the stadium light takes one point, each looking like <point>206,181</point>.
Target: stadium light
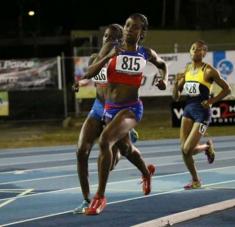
<point>31,13</point>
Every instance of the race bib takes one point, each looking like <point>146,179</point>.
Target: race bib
<point>130,64</point>
<point>101,77</point>
<point>192,88</point>
<point>202,128</point>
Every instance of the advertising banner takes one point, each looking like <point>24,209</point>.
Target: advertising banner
<point>4,104</point>
<point>28,74</point>
<point>88,89</point>
<point>223,61</point>
<point>222,113</point>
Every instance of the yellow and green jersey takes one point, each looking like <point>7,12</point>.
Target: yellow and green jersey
<point>195,87</point>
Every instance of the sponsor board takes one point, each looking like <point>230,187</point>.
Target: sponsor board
<point>223,61</point>
<point>222,113</point>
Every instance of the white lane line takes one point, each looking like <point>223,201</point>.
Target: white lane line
<point>115,170</point>
<point>219,183</point>
<point>71,165</point>
<point>56,177</point>
<point>12,189</point>
<point>40,168</point>
<point>172,219</point>
<point>69,211</point>
<point>72,147</point>
<point>130,180</point>
<point>38,179</point>
<point>16,197</point>
<point>225,188</point>
<point>27,150</point>
<point>37,159</point>
<point>71,157</point>
<point>114,202</point>
<point>59,157</point>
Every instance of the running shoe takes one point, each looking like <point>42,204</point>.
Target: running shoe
<point>193,185</point>
<point>134,136</point>
<point>147,180</point>
<point>210,152</point>
<point>96,206</point>
<point>81,209</point>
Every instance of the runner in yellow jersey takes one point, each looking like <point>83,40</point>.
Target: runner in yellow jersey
<point>196,82</point>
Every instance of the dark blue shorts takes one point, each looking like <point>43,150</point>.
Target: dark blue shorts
<point>111,109</point>
<point>97,110</point>
<point>197,113</point>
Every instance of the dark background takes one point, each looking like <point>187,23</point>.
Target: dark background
<point>55,18</point>
<point>47,33</point>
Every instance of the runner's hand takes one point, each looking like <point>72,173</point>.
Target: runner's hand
<point>75,86</point>
<point>206,104</point>
<point>114,51</point>
<point>161,84</point>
